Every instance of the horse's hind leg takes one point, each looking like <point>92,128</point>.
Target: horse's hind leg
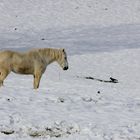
<point>3,74</point>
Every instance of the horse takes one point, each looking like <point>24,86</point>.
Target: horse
<point>33,62</point>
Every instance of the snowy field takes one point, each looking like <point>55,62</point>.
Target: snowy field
<point>67,106</point>
<point>102,40</point>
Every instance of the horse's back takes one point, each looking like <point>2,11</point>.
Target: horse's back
<point>5,55</point>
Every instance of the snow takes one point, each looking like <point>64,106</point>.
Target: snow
<point>38,15</point>
<point>69,107</point>
<point>76,40</point>
<point>102,41</point>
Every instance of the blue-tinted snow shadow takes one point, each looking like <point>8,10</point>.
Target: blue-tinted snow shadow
<point>76,40</point>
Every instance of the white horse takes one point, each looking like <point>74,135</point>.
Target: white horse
<point>32,62</point>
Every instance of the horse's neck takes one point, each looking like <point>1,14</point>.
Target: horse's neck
<point>50,55</point>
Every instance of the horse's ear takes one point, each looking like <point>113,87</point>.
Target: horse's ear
<point>63,50</point>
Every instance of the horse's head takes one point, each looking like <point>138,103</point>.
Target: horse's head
<point>62,59</point>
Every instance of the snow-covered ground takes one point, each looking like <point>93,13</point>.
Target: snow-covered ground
<point>37,15</point>
<point>102,39</point>
<point>67,106</point>
<point>76,40</point>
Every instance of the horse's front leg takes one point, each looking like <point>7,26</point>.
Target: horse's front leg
<point>1,83</point>
<point>37,77</point>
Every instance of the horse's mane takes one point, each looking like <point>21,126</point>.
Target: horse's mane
<point>50,52</point>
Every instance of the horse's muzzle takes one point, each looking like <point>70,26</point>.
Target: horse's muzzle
<point>65,68</point>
